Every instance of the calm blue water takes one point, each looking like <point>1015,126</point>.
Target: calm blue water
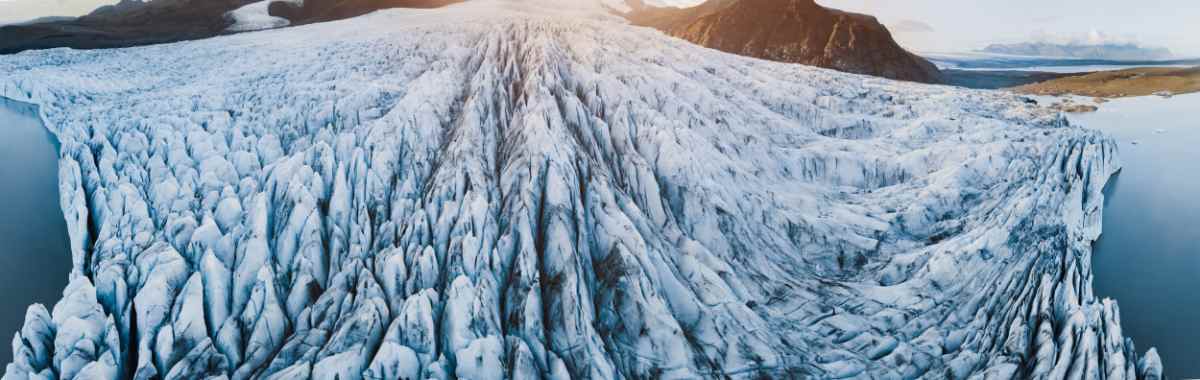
<point>989,61</point>
<point>1148,258</point>
<point>35,256</point>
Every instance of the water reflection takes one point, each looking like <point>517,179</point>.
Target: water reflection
<point>1148,258</point>
<point>34,249</point>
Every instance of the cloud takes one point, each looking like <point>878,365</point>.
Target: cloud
<point>1047,19</point>
<point>911,26</point>
<point>1090,38</point>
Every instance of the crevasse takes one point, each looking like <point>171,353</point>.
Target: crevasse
<point>492,191</point>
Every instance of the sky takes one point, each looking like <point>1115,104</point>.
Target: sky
<point>24,10</point>
<point>928,25</point>
<point>958,25</point>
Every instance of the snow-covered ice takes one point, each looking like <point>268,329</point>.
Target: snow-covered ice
<point>499,190</point>
<point>624,6</point>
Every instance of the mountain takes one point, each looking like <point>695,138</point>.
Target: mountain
<point>796,31</point>
<point>508,189</point>
<point>128,23</point>
<point>1107,51</point>
<point>136,22</point>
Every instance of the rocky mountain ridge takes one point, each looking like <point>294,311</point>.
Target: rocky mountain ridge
<point>795,31</point>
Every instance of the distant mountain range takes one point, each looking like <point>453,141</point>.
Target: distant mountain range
<point>1111,51</point>
<point>796,31</point>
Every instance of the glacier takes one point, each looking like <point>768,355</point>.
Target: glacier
<point>500,189</point>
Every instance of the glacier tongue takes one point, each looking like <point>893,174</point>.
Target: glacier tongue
<point>490,191</point>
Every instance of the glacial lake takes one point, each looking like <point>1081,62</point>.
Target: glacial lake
<point>35,256</point>
<point>1148,258</point>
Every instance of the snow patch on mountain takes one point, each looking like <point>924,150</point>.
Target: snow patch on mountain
<point>255,16</point>
<point>500,190</point>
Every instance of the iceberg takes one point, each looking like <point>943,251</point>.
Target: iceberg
<point>500,189</point>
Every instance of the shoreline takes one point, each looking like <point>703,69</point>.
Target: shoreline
<point>1144,81</point>
<point>1146,215</point>
<point>36,257</point>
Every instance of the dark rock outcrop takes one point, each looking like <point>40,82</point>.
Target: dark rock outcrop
<point>128,23</point>
<point>797,31</point>
<point>135,23</point>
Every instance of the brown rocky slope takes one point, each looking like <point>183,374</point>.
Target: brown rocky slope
<point>1140,81</point>
<point>796,31</point>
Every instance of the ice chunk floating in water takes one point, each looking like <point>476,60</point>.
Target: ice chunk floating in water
<point>498,190</point>
<point>34,254</point>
